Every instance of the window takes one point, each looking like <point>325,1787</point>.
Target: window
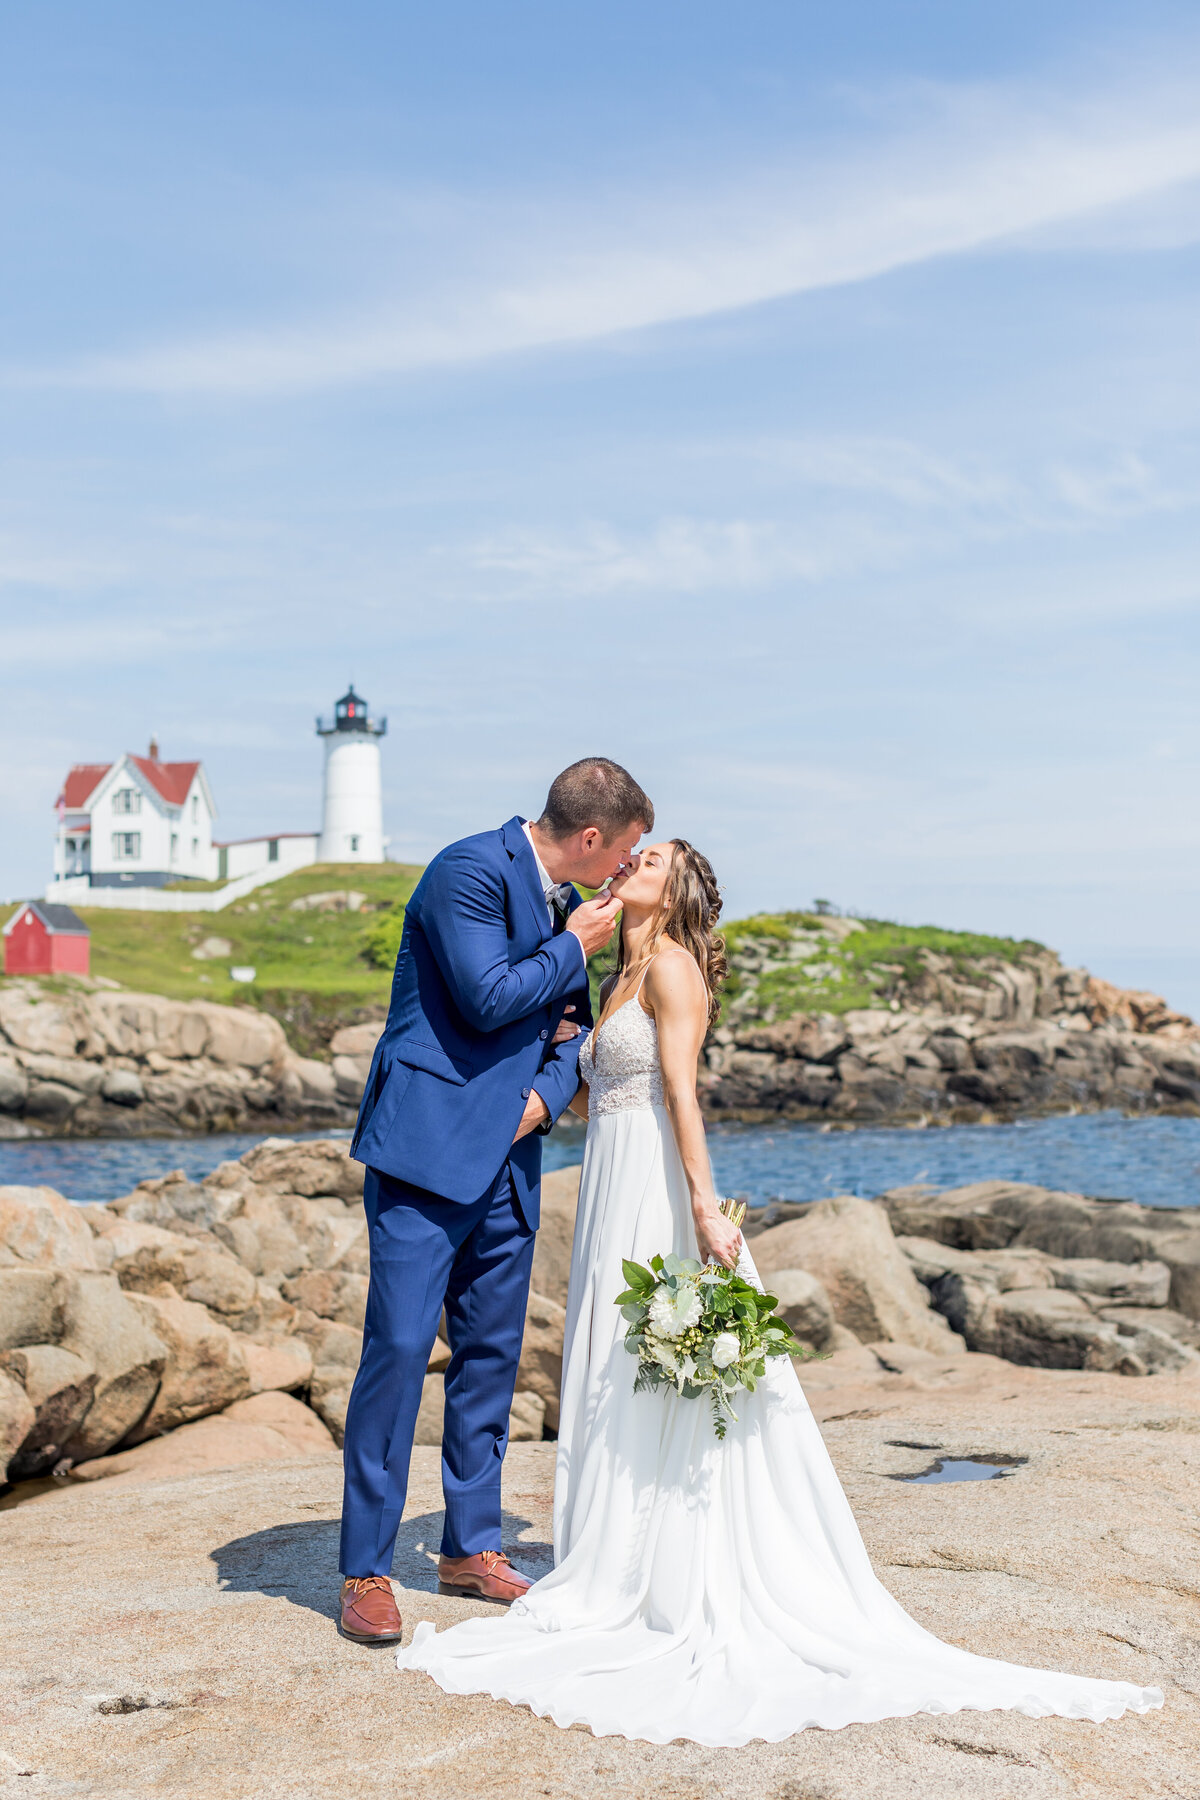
<point>174,846</point>
<point>195,809</point>
<point>272,849</point>
<point>354,844</point>
<point>195,848</point>
<point>127,845</point>
<point>127,800</point>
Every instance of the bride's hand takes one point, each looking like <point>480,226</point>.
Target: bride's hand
<point>717,1239</point>
<point>566,1028</point>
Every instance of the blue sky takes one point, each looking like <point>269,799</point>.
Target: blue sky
<point>797,403</point>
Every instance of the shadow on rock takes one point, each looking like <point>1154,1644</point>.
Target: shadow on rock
<point>298,1560</point>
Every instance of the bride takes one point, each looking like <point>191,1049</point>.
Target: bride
<point>717,1591</point>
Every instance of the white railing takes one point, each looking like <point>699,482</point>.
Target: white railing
<point>77,891</point>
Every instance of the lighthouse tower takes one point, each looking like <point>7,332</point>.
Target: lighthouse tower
<point>352,816</point>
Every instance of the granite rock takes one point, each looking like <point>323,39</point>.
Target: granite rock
<point>847,1244</point>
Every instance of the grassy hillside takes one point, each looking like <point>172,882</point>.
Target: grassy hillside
<point>786,963</point>
<point>313,970</point>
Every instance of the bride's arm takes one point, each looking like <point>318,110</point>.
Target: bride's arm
<point>675,989</point>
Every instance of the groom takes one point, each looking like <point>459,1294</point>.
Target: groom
<point>476,1060</point>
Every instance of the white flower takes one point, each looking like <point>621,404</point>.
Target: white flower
<point>726,1349</point>
<point>672,1313</point>
<point>662,1352</point>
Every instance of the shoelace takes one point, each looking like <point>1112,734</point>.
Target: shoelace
<point>356,1583</point>
<point>489,1559</point>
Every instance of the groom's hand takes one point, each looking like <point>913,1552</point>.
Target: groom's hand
<point>536,1113</point>
<point>593,922</point>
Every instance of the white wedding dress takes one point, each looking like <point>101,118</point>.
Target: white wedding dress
<point>717,1591</point>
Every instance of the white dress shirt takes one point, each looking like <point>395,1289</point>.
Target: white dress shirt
<point>553,890</point>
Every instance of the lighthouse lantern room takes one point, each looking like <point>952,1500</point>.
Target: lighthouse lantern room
<point>352,813</point>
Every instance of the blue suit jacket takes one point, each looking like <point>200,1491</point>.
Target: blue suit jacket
<point>481,983</point>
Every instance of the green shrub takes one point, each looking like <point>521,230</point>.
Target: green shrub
<point>381,939</point>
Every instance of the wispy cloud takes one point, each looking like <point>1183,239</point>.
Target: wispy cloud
<point>854,505</point>
<point>977,167</point>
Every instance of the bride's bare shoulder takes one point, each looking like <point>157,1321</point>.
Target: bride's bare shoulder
<point>674,977</point>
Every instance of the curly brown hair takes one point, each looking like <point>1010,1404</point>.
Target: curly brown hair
<point>688,913</point>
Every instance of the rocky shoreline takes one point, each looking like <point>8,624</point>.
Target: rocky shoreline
<point>958,1044</point>
<point>87,1060</point>
<point>188,1324</point>
<point>947,1039</point>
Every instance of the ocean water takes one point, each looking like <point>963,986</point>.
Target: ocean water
<point>1155,1160</point>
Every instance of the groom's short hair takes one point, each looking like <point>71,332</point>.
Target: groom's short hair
<point>595,791</point>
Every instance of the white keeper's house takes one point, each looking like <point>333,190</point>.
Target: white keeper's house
<point>139,826</point>
<point>136,822</point>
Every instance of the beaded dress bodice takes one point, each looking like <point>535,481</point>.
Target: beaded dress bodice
<point>620,1062</point>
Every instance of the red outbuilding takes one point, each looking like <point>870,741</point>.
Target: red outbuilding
<point>41,939</point>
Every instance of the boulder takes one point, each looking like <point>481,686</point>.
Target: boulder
<point>1161,1351</point>
<point>998,1269</point>
<point>1050,1329</point>
<point>261,1428</point>
<point>145,1025</point>
<point>41,1023</point>
<point>847,1244</point>
<point>429,1414</point>
<point>39,1226</point>
<point>322,1166</point>
<point>556,1234</point>
<point>238,1036</point>
<point>212,949</point>
<point>14,1088</point>
<point>17,1420</point>
<point>357,1040</point>
<point>1159,1318</point>
<point>1181,1253</point>
<point>31,1306</point>
<point>527,1418</point>
<point>314,1080</point>
<point>146,1256</point>
<point>336,1351</point>
<point>173,1202</point>
<point>123,1087</point>
<point>350,1075</point>
<point>1132,1284</point>
<point>960,1217</point>
<point>59,1386</point>
<point>68,1071</point>
<point>282,1363</point>
<point>540,1370</point>
<point>331,1294</point>
<point>263,1238</point>
<point>804,1304</point>
<point>104,1328</point>
<point>333,1236</point>
<point>206,1367</point>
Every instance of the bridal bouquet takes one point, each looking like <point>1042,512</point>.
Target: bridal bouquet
<point>701,1330</point>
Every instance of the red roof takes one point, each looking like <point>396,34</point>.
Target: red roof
<point>171,780</point>
<point>82,781</point>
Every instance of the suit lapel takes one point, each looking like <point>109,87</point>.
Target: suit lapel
<point>525,869</point>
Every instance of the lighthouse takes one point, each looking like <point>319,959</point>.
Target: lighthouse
<point>352,814</point>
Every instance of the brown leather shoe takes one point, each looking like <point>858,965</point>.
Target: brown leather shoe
<point>488,1576</point>
<point>369,1611</point>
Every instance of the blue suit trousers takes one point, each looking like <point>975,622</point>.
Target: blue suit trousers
<point>426,1253</point>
